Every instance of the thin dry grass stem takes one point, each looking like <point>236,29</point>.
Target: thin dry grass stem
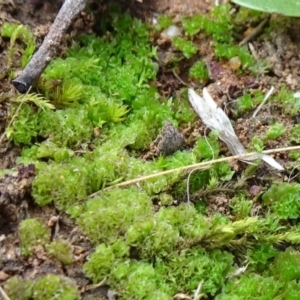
<point>94,286</point>
<point>263,102</point>
<point>254,32</point>
<point>197,294</point>
<point>290,176</point>
<point>177,77</point>
<point>193,166</point>
<point>253,51</point>
<point>3,294</point>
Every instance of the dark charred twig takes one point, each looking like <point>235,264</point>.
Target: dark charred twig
<point>254,33</point>
<point>39,61</point>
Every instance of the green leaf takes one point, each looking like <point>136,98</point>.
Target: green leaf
<point>287,8</point>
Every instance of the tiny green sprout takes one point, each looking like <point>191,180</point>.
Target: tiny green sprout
<point>61,250</point>
<point>207,147</point>
<point>289,101</point>
<point>163,22</point>
<point>257,143</point>
<point>15,31</point>
<point>275,131</point>
<point>245,103</point>
<point>294,155</point>
<point>194,24</point>
<point>68,93</point>
<point>32,232</point>
<point>52,286</point>
<point>187,48</point>
<point>199,71</point>
<point>241,207</point>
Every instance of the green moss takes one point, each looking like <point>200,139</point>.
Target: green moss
<point>292,290</point>
<point>218,24</point>
<point>187,47</point>
<point>207,148</point>
<point>245,103</point>
<point>24,128</point>
<point>152,238</point>
<point>19,289</point>
<point>53,286</point>
<point>289,103</point>
<point>185,218</point>
<point>106,260</point>
<point>14,32</point>
<point>184,271</point>
<point>61,250</point>
<point>62,183</point>
<point>286,265</point>
<point>32,232</point>
<point>261,255</point>
<point>275,131</point>
<point>258,143</point>
<point>163,22</point>
<point>241,207</point>
<point>294,134</point>
<point>199,72</point>
<point>102,222</point>
<point>283,200</point>
<point>228,51</point>
<point>194,24</point>
<point>251,286</point>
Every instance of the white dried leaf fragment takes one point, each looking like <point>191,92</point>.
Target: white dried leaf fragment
<point>216,119</point>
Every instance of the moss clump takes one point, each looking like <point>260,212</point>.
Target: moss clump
<point>199,72</point>
<point>108,261</point>
<point>275,131</point>
<point>183,271</point>
<point>61,250</point>
<point>32,232</point>
<point>19,289</point>
<point>252,286</point>
<point>286,266</point>
<point>62,183</point>
<point>48,287</point>
<point>108,216</point>
<point>187,47</point>
<point>283,200</point>
<point>52,286</point>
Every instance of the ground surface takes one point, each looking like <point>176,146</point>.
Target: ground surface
<point>280,48</point>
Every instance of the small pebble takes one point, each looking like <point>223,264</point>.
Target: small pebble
<point>235,63</point>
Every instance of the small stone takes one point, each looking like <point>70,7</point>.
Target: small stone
<point>235,63</point>
<point>171,141</point>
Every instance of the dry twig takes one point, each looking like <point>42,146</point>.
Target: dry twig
<point>39,61</point>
